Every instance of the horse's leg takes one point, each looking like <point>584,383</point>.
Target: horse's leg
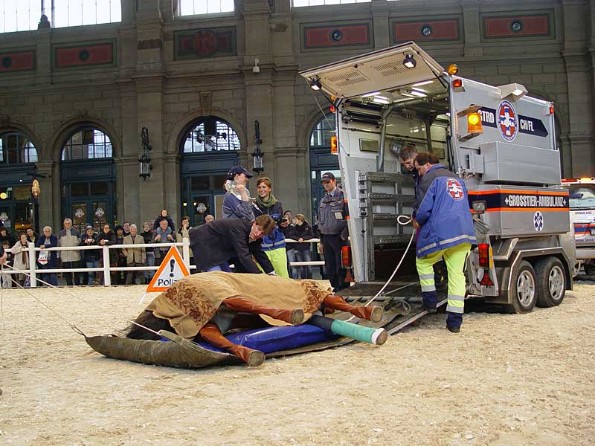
<point>211,333</point>
<point>371,313</point>
<point>247,305</point>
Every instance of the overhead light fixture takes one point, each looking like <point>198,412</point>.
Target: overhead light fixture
<point>512,91</point>
<point>409,61</point>
<point>419,84</point>
<point>315,83</point>
<point>381,100</point>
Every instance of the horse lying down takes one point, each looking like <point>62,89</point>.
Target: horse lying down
<point>204,306</point>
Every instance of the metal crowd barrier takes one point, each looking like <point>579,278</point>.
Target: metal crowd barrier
<point>34,271</point>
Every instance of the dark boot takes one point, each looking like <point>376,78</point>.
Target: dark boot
<point>247,305</point>
<point>371,313</point>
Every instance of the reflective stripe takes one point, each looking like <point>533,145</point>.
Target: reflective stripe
<point>425,248</point>
<point>428,287</point>
<point>464,238</point>
<point>456,304</point>
<point>426,277</point>
<point>460,237</point>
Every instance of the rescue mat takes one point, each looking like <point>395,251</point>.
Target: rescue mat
<point>273,341</point>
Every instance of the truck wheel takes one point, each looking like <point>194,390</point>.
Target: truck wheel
<point>523,292</point>
<point>551,282</point>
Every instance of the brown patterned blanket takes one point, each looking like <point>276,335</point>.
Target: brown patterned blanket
<point>192,301</point>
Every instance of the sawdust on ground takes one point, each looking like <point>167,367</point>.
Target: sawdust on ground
<point>504,380</point>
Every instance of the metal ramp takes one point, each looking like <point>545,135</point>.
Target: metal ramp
<point>382,198</point>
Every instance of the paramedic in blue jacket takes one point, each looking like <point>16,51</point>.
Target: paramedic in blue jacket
<point>333,214</point>
<point>445,228</point>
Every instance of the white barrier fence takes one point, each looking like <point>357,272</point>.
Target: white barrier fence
<point>34,271</point>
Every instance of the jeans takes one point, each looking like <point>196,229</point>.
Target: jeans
<point>290,259</point>
<point>302,272</point>
<point>91,274</point>
<point>149,261</point>
<point>73,278</point>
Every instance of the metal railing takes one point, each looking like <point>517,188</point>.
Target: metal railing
<point>34,271</point>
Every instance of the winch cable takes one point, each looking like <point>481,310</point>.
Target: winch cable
<point>402,220</point>
<point>27,291</point>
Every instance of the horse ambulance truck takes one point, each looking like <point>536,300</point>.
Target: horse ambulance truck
<point>498,139</point>
<point>582,216</point>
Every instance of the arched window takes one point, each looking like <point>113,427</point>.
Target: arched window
<point>88,178</point>
<point>209,148</point>
<point>322,132</point>
<point>321,159</point>
<point>210,134</point>
<point>87,143</point>
<point>16,148</point>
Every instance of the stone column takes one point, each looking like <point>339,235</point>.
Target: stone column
<point>471,28</point>
<point>581,102</point>
<point>161,190</point>
<point>380,24</point>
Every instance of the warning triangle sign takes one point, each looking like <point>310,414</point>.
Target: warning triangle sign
<point>171,270</point>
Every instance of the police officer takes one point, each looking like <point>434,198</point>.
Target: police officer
<point>445,231</point>
<point>333,214</point>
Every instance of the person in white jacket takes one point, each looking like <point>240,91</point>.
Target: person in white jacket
<point>20,250</point>
<point>70,237</point>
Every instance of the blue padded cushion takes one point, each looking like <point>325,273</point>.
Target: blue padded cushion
<point>273,339</point>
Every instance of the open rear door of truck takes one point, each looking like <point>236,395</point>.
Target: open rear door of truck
<point>387,70</point>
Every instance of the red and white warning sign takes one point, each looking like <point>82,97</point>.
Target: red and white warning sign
<point>170,271</point>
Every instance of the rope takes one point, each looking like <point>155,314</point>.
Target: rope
<point>26,290</point>
<point>402,220</point>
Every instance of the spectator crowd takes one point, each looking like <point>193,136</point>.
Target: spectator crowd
<point>272,253</point>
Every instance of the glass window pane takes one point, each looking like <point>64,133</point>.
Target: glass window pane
<point>79,189</point>
<point>87,143</point>
<point>99,188</point>
<point>193,7</point>
<point>200,183</point>
<point>210,134</point>
<point>299,3</point>
<point>15,148</point>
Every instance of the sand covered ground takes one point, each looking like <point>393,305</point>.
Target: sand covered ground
<point>504,380</point>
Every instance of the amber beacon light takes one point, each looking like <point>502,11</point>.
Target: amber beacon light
<point>474,123</point>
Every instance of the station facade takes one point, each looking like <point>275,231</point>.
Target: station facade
<point>80,105</point>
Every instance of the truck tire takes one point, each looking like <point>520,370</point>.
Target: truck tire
<point>551,282</point>
<point>523,290</point>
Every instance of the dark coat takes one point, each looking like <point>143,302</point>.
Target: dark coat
<point>89,255</point>
<point>170,223</point>
<point>219,241</point>
<point>304,232</point>
<point>52,242</point>
<point>110,239</point>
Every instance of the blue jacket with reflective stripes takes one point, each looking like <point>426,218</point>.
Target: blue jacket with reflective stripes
<point>444,216</point>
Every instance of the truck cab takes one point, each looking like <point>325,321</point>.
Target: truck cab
<point>500,141</point>
<point>582,216</point>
